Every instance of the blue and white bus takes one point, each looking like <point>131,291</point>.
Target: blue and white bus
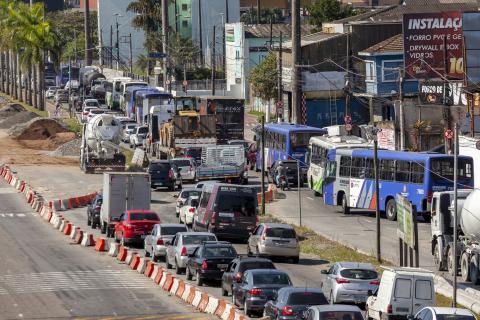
<point>64,76</point>
<point>285,141</point>
<point>349,179</point>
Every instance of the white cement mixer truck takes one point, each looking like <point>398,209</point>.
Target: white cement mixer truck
<point>100,149</point>
<point>468,238</point>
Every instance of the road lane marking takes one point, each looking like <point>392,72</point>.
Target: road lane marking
<point>16,215</point>
<point>310,198</point>
<point>8,190</point>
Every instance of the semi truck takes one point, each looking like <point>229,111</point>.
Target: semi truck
<point>468,235</point>
<point>224,163</point>
<point>123,191</point>
<point>229,114</point>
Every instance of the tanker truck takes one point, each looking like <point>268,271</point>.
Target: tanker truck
<point>468,235</point>
<point>100,148</point>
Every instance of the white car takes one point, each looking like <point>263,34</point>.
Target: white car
<point>94,112</point>
<point>128,130</point>
<point>50,93</point>
<point>188,169</point>
<point>183,196</point>
<point>442,313</point>
<point>188,210</point>
<point>86,112</point>
<point>137,137</point>
<point>73,84</point>
<point>90,103</point>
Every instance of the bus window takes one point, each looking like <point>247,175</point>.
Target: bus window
<point>387,170</point>
<point>331,169</point>
<point>345,163</point>
<point>443,169</point>
<point>300,139</point>
<point>369,172</point>
<point>417,171</point>
<point>358,168</point>
<point>108,86</point>
<point>402,172</point>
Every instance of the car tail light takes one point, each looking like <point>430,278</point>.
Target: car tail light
<point>238,276</point>
<point>214,218</point>
<point>204,265</point>
<point>287,311</point>
<point>389,309</point>
<point>375,282</point>
<point>160,242</point>
<point>264,233</point>
<point>191,210</point>
<point>255,292</point>
<point>170,174</point>
<point>429,196</point>
<point>342,280</point>
<point>184,252</point>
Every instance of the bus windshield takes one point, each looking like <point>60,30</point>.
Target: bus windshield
<point>442,169</point>
<point>301,139</point>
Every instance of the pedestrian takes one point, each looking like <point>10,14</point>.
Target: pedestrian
<point>58,108</point>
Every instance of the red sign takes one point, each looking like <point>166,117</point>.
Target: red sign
<point>430,37</point>
<point>279,104</point>
<point>185,83</point>
<point>448,134</point>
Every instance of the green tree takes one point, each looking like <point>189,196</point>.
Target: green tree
<point>328,10</point>
<point>182,53</point>
<point>250,17</point>
<point>148,18</point>
<point>263,78</point>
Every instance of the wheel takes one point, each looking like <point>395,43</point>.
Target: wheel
<point>89,222</point>
<point>296,260</point>
<point>188,274</point>
<point>178,270</point>
<point>345,207</point>
<point>465,267</point>
<point>167,264</point>
<point>437,258</point>
<point>245,309</point>
<point>474,272</point>
<point>391,210</point>
<point>234,299</point>
<point>147,254</point>
<point>450,257</point>
<point>199,280</point>
<point>103,229</point>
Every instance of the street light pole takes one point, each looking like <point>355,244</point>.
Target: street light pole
<point>377,190</point>
<point>263,164</point>
<point>455,216</point>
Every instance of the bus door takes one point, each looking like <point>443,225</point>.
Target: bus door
<point>330,182</point>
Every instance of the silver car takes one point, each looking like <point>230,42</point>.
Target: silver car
<point>188,166</point>
<point>183,196</point>
<point>274,239</point>
<point>349,282</point>
<point>183,244</point>
<point>162,234</point>
<point>329,312</point>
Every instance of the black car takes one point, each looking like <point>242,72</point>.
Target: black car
<point>93,211</point>
<point>195,153</point>
<point>209,261</point>
<point>257,287</point>
<point>291,170</point>
<point>237,267</point>
<point>164,174</point>
<point>291,302</point>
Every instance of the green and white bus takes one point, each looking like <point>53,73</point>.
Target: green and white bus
<point>317,155</point>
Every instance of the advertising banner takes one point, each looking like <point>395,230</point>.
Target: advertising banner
<point>433,45</point>
<point>432,92</point>
<point>405,216</point>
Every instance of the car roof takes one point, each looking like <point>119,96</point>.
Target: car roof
<point>277,225</point>
<point>336,307</point>
<point>86,100</point>
<point>356,265</point>
<point>216,244</point>
<point>242,259</point>
<point>193,233</point>
<point>447,310</point>
<point>258,271</point>
<point>300,289</point>
<point>172,225</point>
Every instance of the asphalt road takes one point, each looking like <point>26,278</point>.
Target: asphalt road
<point>42,276</point>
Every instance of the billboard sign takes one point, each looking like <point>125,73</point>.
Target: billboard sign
<point>405,216</point>
<point>432,40</point>
<point>431,92</point>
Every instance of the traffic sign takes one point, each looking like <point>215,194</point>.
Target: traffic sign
<point>156,55</point>
<point>185,83</point>
<point>348,127</point>
<point>279,104</point>
<point>448,134</point>
<point>348,119</point>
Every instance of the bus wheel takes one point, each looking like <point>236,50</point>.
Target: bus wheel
<point>391,210</point>
<point>345,207</point>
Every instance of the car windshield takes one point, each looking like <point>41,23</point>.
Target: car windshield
<point>143,130</point>
<point>144,216</point>
<point>190,193</point>
<point>195,153</point>
<point>359,274</point>
<point>214,252</point>
<point>341,315</point>
<point>170,231</point>
<point>181,163</point>
<point>159,167</point>
<point>197,239</point>
<point>256,265</point>
<point>130,126</point>
<point>91,103</point>
<point>307,298</point>
<point>281,233</point>
<point>290,165</point>
<point>454,317</point>
<point>236,202</point>
<point>271,278</point>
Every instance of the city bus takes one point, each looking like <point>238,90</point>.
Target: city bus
<point>130,100</point>
<point>285,141</point>
<point>317,155</point>
<point>153,102</point>
<point>349,179</point>
<point>123,91</point>
<point>64,74</point>
<point>113,97</point>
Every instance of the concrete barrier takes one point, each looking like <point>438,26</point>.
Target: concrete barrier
<point>211,305</point>
<point>113,248</point>
<point>174,287</point>
<point>159,275</point>
<point>191,295</point>
<point>142,265</point>
<point>150,266</point>
<point>122,254</point>
<point>87,240</point>
<point>203,302</point>
<point>58,223</point>
<point>130,256</point>
<point>100,244</point>
<point>74,232</point>
<point>180,289</point>
<point>135,262</point>
<point>68,229</point>
<point>186,292</point>
<point>153,276</point>
<point>220,308</point>
<point>197,298</point>
<point>78,236</point>
<point>166,281</point>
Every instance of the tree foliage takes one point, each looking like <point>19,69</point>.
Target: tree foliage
<point>250,17</point>
<point>149,19</point>
<point>263,78</point>
<point>328,10</point>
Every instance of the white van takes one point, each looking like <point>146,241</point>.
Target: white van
<point>402,292</point>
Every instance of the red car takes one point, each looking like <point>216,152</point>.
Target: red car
<point>134,225</point>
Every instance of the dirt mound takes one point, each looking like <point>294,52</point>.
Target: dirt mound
<point>37,129</point>
<point>10,110</point>
<point>49,144</point>
<point>17,118</point>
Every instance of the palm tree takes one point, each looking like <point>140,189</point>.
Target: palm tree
<point>148,18</point>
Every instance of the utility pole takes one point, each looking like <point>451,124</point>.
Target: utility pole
<point>118,44</point>
<point>299,194</point>
<point>176,15</point>
<point>226,11</point>
<point>88,53</point>
<point>377,190</point>
<point>402,117</point>
<point>446,95</point>
<point>165,39</point>
<point>271,33</point>
<point>258,11</point>
<point>348,97</point>
<point>263,164</point>
<point>131,52</point>
<point>110,56</point>
<point>280,68</point>
<point>455,215</point>
<point>75,45</point>
<point>212,62</point>
<point>296,53</point>
<point>200,36</point>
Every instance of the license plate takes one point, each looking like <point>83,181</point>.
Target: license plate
<point>222,266</point>
<point>226,214</point>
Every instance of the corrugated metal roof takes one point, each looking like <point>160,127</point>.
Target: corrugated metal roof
<point>313,38</point>
<point>390,45</point>
<point>263,30</point>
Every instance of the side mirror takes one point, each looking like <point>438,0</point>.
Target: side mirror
<point>324,272</point>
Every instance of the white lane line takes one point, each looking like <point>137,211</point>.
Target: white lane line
<point>310,198</point>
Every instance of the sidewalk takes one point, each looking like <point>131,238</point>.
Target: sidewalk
<point>50,108</point>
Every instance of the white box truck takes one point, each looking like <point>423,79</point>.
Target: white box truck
<point>123,191</point>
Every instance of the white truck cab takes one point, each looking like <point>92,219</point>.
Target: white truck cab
<point>402,292</point>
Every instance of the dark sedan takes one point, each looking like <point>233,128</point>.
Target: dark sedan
<point>209,261</point>
<point>93,211</point>
<point>292,302</point>
<point>257,287</point>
